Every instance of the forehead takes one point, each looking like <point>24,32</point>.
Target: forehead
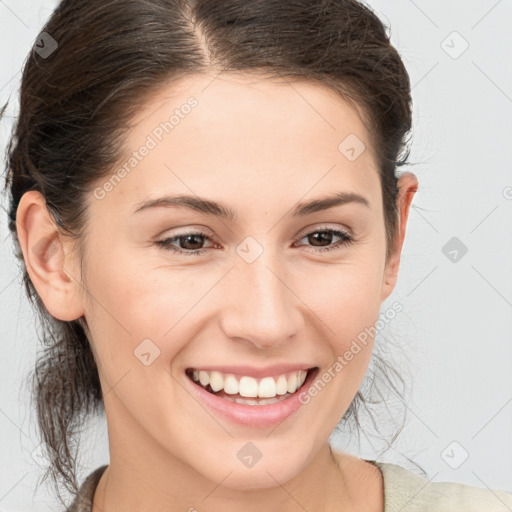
<point>250,103</point>
<point>209,133</point>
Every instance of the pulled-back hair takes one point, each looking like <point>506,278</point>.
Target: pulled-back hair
<point>77,101</point>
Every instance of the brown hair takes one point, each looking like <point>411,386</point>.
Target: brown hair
<point>76,104</point>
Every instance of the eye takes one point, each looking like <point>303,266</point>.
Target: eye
<point>325,236</point>
<point>190,241</point>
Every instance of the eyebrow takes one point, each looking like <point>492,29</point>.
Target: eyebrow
<point>217,209</point>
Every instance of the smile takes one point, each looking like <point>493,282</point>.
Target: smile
<point>238,388</point>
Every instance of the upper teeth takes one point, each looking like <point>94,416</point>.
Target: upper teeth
<point>267,387</point>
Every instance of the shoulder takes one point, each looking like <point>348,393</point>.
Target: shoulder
<point>83,500</point>
<point>406,491</point>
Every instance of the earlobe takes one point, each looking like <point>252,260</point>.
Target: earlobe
<point>407,185</point>
<point>45,258</point>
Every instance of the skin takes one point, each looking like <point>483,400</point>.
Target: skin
<point>259,147</point>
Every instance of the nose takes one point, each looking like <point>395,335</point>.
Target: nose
<point>260,305</point>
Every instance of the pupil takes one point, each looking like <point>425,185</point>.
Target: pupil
<point>325,235</point>
<point>187,238</point>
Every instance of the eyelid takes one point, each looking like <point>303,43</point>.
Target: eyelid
<point>324,227</point>
<point>185,230</point>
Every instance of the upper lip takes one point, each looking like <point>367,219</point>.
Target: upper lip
<point>252,371</point>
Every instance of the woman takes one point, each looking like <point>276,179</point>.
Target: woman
<point>268,133</point>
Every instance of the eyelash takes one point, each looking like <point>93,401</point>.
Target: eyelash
<point>346,239</point>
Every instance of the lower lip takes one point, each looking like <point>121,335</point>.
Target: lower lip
<point>252,415</point>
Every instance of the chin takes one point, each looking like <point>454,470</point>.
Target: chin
<point>264,477</point>
<point>270,470</point>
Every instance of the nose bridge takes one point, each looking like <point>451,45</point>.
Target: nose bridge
<point>263,308</point>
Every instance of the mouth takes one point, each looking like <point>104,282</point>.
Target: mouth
<point>249,390</point>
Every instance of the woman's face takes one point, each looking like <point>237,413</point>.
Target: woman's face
<point>255,294</point>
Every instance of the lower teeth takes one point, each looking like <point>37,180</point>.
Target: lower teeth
<point>256,401</point>
<point>248,401</point>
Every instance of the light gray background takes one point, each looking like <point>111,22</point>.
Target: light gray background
<point>456,326</point>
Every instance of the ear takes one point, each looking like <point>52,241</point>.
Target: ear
<point>408,185</point>
<point>53,272</point>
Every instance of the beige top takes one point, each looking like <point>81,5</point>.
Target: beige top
<point>404,491</point>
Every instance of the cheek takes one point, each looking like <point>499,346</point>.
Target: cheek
<point>346,298</point>
<point>346,306</point>
<point>132,319</point>
<point>133,300</point>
